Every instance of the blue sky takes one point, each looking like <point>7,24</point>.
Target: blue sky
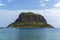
<point>10,9</point>
<point>26,4</point>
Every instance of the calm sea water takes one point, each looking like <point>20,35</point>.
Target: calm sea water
<point>30,34</point>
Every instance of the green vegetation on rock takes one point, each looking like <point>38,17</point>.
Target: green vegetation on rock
<point>30,25</point>
<point>29,13</point>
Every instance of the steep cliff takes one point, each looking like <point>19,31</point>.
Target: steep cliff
<point>30,20</point>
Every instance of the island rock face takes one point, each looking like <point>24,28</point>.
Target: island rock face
<point>30,17</point>
<point>30,20</point>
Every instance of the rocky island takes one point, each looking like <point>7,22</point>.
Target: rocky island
<point>30,20</point>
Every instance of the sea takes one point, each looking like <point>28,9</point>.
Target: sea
<point>30,34</point>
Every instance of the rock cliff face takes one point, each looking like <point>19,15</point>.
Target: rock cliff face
<point>30,17</point>
<point>30,20</point>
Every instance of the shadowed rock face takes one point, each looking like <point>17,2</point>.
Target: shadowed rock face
<point>30,20</point>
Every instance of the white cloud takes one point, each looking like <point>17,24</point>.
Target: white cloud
<point>46,0</point>
<point>10,1</point>
<point>42,1</point>
<point>43,4</point>
<point>57,5</point>
<point>1,4</point>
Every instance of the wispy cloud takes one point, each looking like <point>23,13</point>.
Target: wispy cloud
<point>10,1</point>
<point>57,5</point>
<point>46,0</point>
<point>1,4</point>
<point>42,2</point>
